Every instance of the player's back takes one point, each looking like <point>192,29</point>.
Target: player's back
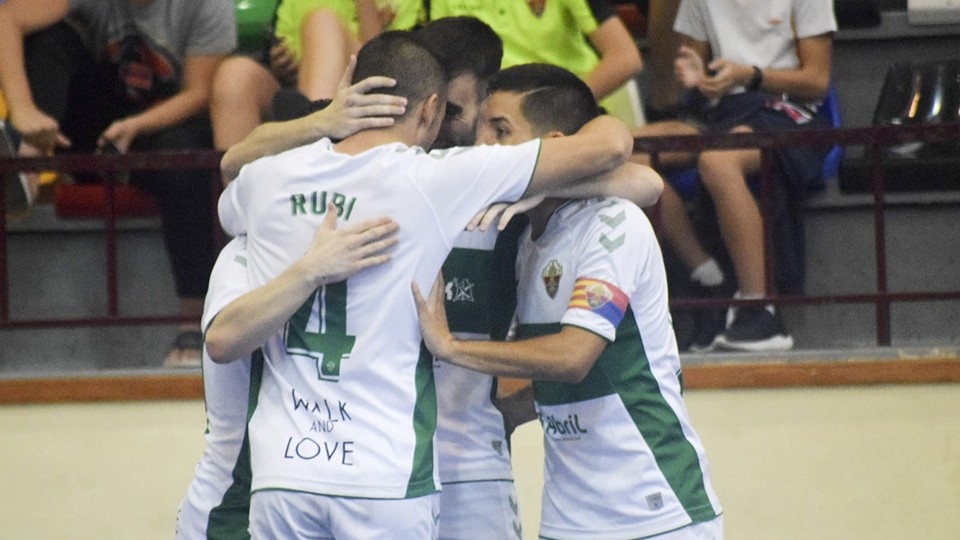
<point>347,370</point>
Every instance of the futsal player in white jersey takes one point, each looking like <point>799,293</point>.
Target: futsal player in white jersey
<point>343,426</point>
<point>217,503</point>
<point>622,459</point>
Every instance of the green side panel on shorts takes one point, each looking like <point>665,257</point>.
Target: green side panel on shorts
<point>424,427</point>
<point>230,519</point>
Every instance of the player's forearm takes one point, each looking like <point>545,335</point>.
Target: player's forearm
<point>631,181</point>
<point>269,139</point>
<point>600,146</point>
<point>545,358</point>
<point>246,323</point>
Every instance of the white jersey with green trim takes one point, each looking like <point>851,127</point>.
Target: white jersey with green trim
<point>622,459</point>
<point>470,431</point>
<point>217,503</point>
<point>347,403</point>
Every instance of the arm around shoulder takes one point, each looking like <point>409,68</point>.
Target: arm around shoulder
<point>601,145</point>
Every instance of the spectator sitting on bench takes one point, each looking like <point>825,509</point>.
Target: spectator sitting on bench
<point>755,66</point>
<point>120,75</point>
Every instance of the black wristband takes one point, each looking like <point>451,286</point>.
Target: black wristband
<point>756,80</point>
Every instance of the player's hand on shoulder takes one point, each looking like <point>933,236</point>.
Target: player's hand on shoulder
<point>354,108</point>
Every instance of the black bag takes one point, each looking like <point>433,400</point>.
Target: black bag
<point>920,94</point>
<point>913,94</point>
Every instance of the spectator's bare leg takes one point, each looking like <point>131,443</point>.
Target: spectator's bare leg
<point>668,160</point>
<point>678,229</point>
<point>723,174</point>
<point>327,46</point>
<point>242,90</point>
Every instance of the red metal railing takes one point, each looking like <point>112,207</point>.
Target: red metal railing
<point>874,137</point>
<point>110,165</point>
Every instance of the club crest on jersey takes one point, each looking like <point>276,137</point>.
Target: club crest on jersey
<point>537,6</point>
<point>551,277</point>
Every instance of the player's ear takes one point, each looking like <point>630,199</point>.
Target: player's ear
<point>552,134</point>
<point>431,111</point>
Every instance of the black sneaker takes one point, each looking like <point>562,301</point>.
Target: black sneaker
<point>709,324</point>
<point>16,187</point>
<point>755,330</point>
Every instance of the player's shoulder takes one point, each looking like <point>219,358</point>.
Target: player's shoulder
<point>609,217</point>
<point>605,209</point>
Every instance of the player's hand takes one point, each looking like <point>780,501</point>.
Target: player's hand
<point>502,213</point>
<point>336,254</point>
<point>433,319</point>
<point>688,67</point>
<point>485,217</point>
<point>38,129</point>
<point>282,63</point>
<point>121,134</point>
<point>354,109</point>
<point>725,76</point>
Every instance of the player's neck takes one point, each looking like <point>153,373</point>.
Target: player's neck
<point>540,216</point>
<point>365,140</point>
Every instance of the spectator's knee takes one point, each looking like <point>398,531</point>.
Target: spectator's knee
<point>721,169</point>
<point>322,20</point>
<point>235,82</point>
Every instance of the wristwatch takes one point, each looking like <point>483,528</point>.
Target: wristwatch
<point>756,80</point>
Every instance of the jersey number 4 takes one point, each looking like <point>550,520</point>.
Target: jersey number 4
<point>318,330</point>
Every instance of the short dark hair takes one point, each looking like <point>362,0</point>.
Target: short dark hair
<point>398,55</point>
<point>554,99</point>
<point>463,45</point>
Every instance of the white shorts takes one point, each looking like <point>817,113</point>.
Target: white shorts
<point>282,515</point>
<point>479,511</point>
<point>707,530</point>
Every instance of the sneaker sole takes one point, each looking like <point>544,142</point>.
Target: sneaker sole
<point>710,347</point>
<point>775,343</point>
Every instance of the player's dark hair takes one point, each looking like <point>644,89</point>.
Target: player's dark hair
<point>554,99</point>
<point>397,55</point>
<point>463,45</point>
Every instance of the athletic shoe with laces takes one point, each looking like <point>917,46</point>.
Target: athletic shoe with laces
<point>754,330</point>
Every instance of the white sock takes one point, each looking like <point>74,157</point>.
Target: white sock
<point>708,273</point>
